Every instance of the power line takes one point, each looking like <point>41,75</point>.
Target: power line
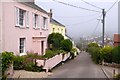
<point>112,5</point>
<point>91,4</point>
<point>84,21</point>
<point>75,6</point>
<point>76,16</point>
<point>97,26</point>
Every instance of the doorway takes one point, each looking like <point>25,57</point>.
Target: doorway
<point>42,47</point>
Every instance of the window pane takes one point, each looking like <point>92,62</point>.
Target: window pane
<point>22,45</point>
<point>21,17</point>
<point>38,22</point>
<point>44,22</point>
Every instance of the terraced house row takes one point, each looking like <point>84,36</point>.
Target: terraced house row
<point>25,27</point>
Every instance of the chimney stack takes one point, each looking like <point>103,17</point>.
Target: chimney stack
<point>50,14</point>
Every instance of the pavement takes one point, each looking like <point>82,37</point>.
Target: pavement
<point>110,71</point>
<point>28,74</point>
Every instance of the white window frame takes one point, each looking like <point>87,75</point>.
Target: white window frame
<point>18,17</point>
<point>36,21</point>
<point>45,22</point>
<point>22,44</point>
<point>27,19</point>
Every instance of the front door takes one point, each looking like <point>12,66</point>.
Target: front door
<point>42,47</point>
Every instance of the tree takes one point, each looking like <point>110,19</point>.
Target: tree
<point>55,39</point>
<point>93,45</point>
<point>116,54</point>
<point>66,45</point>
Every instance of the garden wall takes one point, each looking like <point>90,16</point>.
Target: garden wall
<point>52,62</point>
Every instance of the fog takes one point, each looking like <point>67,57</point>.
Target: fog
<point>82,23</point>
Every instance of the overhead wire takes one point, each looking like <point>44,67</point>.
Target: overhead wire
<point>112,6</point>
<point>84,21</point>
<point>91,4</point>
<point>97,26</point>
<point>76,6</point>
<point>76,16</point>
<point>88,10</point>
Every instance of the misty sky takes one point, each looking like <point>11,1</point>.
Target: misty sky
<point>81,22</point>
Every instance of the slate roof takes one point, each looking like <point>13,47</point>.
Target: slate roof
<point>56,22</point>
<point>33,5</point>
<point>68,37</point>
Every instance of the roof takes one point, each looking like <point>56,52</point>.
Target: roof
<point>116,37</point>
<point>56,22</point>
<point>68,37</point>
<point>33,5</point>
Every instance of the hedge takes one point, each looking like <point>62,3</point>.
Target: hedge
<point>108,54</point>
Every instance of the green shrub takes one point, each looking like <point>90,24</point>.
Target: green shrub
<point>7,60</point>
<point>62,51</point>
<point>93,45</point>
<point>74,50</point>
<point>116,54</point>
<point>32,55</point>
<point>117,77</point>
<point>49,54</point>
<point>18,63</point>
<point>106,53</point>
<point>66,45</point>
<point>95,54</point>
<point>27,62</point>
<point>29,66</point>
<point>72,53</point>
<point>55,39</point>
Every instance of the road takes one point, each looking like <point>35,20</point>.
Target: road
<point>80,67</point>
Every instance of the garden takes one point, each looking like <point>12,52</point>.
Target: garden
<point>59,49</point>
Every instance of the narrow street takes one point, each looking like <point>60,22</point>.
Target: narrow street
<point>80,67</point>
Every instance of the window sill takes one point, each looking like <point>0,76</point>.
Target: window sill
<point>21,27</point>
<point>36,28</point>
<point>44,29</point>
<point>22,54</point>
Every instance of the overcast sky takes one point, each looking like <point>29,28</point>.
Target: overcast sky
<point>81,22</point>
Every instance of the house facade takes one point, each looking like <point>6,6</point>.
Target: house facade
<point>56,27</point>
<point>24,27</point>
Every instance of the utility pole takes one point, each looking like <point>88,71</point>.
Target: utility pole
<point>103,29</point>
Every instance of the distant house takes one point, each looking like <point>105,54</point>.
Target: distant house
<point>25,27</point>
<point>116,39</point>
<point>56,27</point>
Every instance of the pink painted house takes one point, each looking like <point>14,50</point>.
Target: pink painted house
<point>24,27</point>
